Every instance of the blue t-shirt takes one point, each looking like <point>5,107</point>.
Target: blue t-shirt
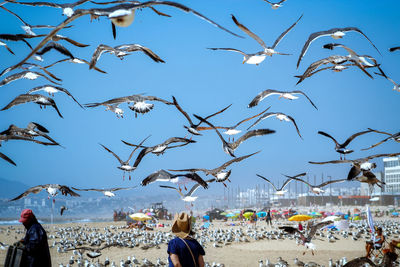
<point>178,247</point>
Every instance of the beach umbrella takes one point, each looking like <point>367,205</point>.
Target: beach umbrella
<point>206,217</point>
<point>139,217</point>
<point>261,214</point>
<point>248,214</point>
<point>299,218</point>
<point>395,213</point>
<point>331,218</point>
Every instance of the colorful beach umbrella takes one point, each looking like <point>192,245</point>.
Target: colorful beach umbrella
<point>248,214</point>
<point>331,218</point>
<point>300,218</point>
<point>261,214</point>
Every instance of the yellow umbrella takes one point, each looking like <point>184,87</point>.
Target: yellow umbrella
<point>248,214</point>
<point>299,218</point>
<point>139,217</point>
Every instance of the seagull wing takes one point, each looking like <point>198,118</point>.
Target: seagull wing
<point>261,96</point>
<point>226,164</point>
<point>392,49</point>
<point>69,40</point>
<point>300,180</point>
<point>178,140</point>
<point>195,177</point>
<point>98,52</point>
<point>52,45</point>
<point>295,125</point>
<point>286,183</point>
<point>34,190</point>
<point>302,93</point>
<point>115,155</point>
<point>377,144</point>
<point>332,161</point>
<point>314,229</point>
<point>181,110</point>
<point>121,188</point>
<point>7,159</point>
<point>154,98</point>
<point>88,189</point>
<point>329,136</point>
<point>54,105</point>
<point>38,4</point>
<point>310,39</point>
<point>290,229</point>
<point>218,112</point>
<point>285,32</point>
<point>248,32</point>
<point>142,153</point>
<point>382,155</point>
<point>262,177</point>
<point>160,174</point>
<point>65,190</point>
<point>348,29</point>
<point>250,134</point>
<point>376,131</point>
<point>265,116</point>
<point>192,190</point>
<point>331,182</point>
<point>146,50</point>
<point>252,117</point>
<point>228,49</point>
<point>360,261</point>
<point>354,172</point>
<point>21,99</point>
<point>354,136</point>
<point>209,123</point>
<point>141,143</point>
<point>13,77</point>
<point>171,187</point>
<point>130,144</point>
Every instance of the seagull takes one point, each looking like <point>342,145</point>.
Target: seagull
<point>160,148</point>
<point>396,86</point>
<point>341,148</point>
<point>306,241</point>
<point>358,60</point>
<point>219,173</point>
<point>392,49</point>
<point>232,129</point>
<point>282,94</point>
<point>164,176</point>
<point>76,61</point>
<point>335,33</point>
<point>280,116</point>
<point>56,46</point>
<point>31,75</point>
<point>36,98</point>
<point>32,130</point>
<point>62,209</point>
<point>188,196</point>
<point>52,190</point>
<point>317,189</point>
<point>125,164</point>
<point>7,159</point>
<point>29,66</point>
<point>280,191</point>
<point>121,51</point>
<point>229,148</point>
<point>17,137</point>
<point>66,7</point>
<point>5,45</point>
<point>371,179</point>
<point>275,5</point>
<point>51,90</point>
<point>192,128</point>
<point>139,104</point>
<point>360,261</point>
<point>18,37</point>
<point>358,165</point>
<point>395,137</point>
<point>107,192</point>
<point>258,57</point>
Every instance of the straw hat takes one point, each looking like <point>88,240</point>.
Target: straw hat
<point>182,225</point>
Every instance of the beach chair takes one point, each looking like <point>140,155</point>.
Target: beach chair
<point>379,252</point>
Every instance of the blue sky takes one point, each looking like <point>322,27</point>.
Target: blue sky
<point>205,81</point>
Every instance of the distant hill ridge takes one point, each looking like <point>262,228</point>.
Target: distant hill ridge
<point>9,188</point>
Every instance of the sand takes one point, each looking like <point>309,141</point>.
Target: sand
<point>236,254</point>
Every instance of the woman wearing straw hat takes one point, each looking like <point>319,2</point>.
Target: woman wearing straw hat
<point>184,250</point>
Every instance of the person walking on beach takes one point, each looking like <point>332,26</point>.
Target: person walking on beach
<point>269,219</point>
<point>35,241</point>
<point>184,250</point>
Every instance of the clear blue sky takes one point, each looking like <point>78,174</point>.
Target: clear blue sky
<point>204,81</point>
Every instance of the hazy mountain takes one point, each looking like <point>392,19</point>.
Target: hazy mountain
<point>10,188</point>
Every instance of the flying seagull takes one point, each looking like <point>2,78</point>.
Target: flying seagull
<point>29,66</point>
<point>55,46</point>
<point>192,128</point>
<point>370,178</point>
<point>229,148</point>
<point>395,137</point>
<point>188,196</point>
<point>280,116</point>
<point>164,176</point>
<point>160,148</point>
<point>121,51</point>
<point>275,5</point>
<point>107,192</point>
<point>396,86</point>
<point>280,191</point>
<point>341,148</point>
<point>36,98</point>
<point>51,90</point>
<point>392,49</point>
<point>7,159</point>
<point>125,164</point>
<point>31,131</point>
<point>335,33</point>
<point>258,57</point>
<point>23,138</point>
<point>62,209</point>
<point>139,104</point>
<point>317,189</point>
<point>358,165</point>
<point>31,75</point>
<point>219,173</point>
<point>76,61</point>
<point>291,95</point>
<point>52,190</point>
<point>306,240</point>
<point>67,8</point>
<point>231,130</point>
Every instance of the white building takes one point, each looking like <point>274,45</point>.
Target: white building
<point>392,174</point>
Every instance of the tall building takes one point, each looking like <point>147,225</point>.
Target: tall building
<point>392,174</point>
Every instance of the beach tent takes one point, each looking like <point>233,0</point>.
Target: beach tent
<point>299,218</point>
<point>139,217</point>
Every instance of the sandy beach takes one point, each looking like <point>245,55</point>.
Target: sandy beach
<point>235,254</point>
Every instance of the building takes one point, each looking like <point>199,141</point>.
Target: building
<point>392,174</point>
